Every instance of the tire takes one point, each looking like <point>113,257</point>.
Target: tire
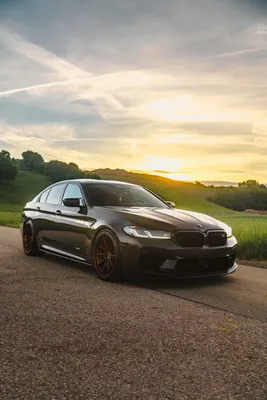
<point>29,241</point>
<point>107,257</point>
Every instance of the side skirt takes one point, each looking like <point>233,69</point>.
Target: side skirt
<point>62,254</point>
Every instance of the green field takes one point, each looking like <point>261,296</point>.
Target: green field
<point>250,230</point>
<point>251,233</point>
<point>15,194</point>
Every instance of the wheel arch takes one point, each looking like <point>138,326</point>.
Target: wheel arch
<point>28,220</point>
<point>31,221</point>
<point>115,274</point>
<point>104,228</point>
<point>34,249</point>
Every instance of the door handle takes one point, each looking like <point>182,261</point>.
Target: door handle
<point>38,208</point>
<point>58,212</point>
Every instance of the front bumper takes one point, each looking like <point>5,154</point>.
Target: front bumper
<point>166,258</point>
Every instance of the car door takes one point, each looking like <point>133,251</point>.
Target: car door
<point>72,232</point>
<point>44,220</point>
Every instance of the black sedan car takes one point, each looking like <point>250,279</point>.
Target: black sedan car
<point>123,229</point>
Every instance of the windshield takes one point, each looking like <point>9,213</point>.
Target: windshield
<point>122,196</point>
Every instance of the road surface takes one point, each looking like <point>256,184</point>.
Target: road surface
<point>67,335</point>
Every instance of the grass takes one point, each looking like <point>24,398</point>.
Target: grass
<point>251,233</point>
<point>250,230</point>
<point>24,188</point>
<point>13,196</point>
<point>11,219</point>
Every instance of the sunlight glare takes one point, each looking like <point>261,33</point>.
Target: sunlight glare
<point>187,109</point>
<point>162,166</point>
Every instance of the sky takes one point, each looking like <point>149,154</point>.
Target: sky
<point>178,87</point>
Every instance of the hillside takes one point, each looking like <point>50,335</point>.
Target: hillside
<point>185,195</point>
<point>189,196</point>
<point>14,195</point>
<point>250,230</point>
<point>23,188</point>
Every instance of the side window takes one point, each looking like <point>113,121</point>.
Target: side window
<point>73,191</point>
<point>44,196</point>
<point>55,194</point>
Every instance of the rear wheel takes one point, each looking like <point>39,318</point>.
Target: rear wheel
<point>107,257</point>
<point>29,241</point>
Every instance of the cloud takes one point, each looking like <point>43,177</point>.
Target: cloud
<point>18,44</point>
<point>5,144</point>
<point>238,53</point>
<point>114,84</point>
<point>218,129</point>
<point>34,87</point>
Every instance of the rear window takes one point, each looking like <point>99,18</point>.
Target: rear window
<point>55,194</point>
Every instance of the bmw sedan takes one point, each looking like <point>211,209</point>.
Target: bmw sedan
<point>123,230</point>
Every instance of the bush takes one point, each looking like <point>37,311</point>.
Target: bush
<point>241,198</point>
<point>32,161</point>
<point>58,171</point>
<point>8,167</point>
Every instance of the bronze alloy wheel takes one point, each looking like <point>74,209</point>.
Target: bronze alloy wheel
<point>106,256</point>
<point>27,238</point>
<point>29,241</point>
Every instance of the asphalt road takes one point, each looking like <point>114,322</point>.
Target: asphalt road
<point>67,335</point>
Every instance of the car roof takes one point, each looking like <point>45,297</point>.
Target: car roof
<point>97,182</point>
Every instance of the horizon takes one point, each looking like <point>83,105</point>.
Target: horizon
<point>168,175</point>
<point>174,88</point>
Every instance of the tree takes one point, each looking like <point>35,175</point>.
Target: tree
<point>58,171</point>
<point>251,183</point>
<point>91,175</point>
<point>200,184</point>
<point>8,167</point>
<point>241,198</point>
<point>73,171</point>
<point>33,161</point>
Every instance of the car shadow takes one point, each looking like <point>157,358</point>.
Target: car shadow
<point>184,283</point>
<point>67,263</point>
<point>156,283</point>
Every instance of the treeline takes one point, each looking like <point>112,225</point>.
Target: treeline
<point>8,167</point>
<point>31,161</point>
<point>248,195</point>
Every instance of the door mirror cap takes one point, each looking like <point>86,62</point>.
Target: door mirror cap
<point>170,203</point>
<point>73,202</point>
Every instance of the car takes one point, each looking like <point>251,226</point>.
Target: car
<point>124,230</point>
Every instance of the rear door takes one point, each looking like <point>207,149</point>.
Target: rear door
<point>72,232</point>
<point>45,215</point>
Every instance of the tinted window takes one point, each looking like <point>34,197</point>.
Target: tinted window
<point>54,195</point>
<point>122,196</point>
<point>73,191</point>
<point>44,196</point>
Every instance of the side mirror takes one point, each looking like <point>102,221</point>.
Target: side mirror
<point>170,203</point>
<point>73,202</point>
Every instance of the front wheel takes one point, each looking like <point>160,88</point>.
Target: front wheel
<point>107,257</point>
<point>29,241</point>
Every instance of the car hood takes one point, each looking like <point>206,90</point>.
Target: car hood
<point>167,218</point>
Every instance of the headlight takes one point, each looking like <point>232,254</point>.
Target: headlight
<point>227,229</point>
<point>138,232</point>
